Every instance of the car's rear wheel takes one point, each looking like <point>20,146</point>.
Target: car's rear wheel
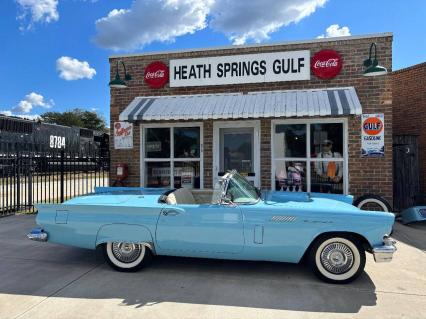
<point>126,256</point>
<point>372,202</point>
<point>337,259</point>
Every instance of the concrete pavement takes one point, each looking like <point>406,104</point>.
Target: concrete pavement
<point>42,280</point>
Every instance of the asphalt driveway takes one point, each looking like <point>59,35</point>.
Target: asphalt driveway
<point>42,280</point>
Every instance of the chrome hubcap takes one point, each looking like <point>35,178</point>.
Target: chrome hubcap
<point>126,252</point>
<point>337,258</point>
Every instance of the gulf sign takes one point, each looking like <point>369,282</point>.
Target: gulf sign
<point>372,126</point>
<point>372,135</point>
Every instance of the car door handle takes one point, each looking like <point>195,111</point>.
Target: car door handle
<point>170,212</point>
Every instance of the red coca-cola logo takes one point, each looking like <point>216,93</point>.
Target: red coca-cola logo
<point>156,74</point>
<point>326,64</point>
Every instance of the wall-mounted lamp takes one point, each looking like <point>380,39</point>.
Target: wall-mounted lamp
<point>372,65</point>
<point>118,83</point>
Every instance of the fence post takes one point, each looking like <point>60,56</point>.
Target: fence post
<point>62,175</point>
<point>30,181</point>
<point>18,183</point>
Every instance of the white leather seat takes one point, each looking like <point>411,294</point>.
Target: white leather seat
<point>181,196</point>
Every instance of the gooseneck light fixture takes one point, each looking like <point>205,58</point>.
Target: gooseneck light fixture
<point>372,65</point>
<point>118,83</point>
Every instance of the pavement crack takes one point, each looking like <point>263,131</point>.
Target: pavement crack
<point>57,291</point>
<point>400,293</point>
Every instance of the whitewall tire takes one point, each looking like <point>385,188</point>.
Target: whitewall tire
<point>367,201</point>
<point>337,259</point>
<point>126,256</point>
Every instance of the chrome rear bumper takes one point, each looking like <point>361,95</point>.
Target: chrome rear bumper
<point>384,253</point>
<point>37,234</point>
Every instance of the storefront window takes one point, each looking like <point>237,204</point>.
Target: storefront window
<point>326,163</point>
<point>187,174</point>
<point>290,176</point>
<point>187,142</point>
<point>157,142</point>
<point>290,140</point>
<point>173,164</point>
<point>157,174</point>
<point>326,140</point>
<point>327,177</point>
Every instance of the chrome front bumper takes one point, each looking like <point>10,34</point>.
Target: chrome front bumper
<point>37,234</point>
<point>384,253</point>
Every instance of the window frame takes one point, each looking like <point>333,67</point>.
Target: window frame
<point>171,159</point>
<point>308,159</point>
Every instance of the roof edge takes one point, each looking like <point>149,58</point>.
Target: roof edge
<point>230,47</point>
<point>411,67</point>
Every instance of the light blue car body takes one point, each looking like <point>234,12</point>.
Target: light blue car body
<point>279,227</point>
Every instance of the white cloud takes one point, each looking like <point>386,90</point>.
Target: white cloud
<point>151,20</point>
<point>30,101</point>
<point>147,21</point>
<point>37,11</point>
<point>255,20</point>
<point>73,69</point>
<point>335,30</point>
<point>7,113</point>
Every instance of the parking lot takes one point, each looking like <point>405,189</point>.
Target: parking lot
<point>42,280</point>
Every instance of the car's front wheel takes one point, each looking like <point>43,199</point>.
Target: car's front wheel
<point>126,256</point>
<point>337,259</point>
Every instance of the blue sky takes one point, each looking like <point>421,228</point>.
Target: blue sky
<point>55,52</point>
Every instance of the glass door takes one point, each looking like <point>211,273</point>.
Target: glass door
<point>237,148</point>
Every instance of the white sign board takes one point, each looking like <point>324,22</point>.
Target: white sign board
<point>373,135</point>
<point>123,135</point>
<point>237,69</point>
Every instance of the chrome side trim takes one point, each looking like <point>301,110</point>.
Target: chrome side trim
<point>384,253</point>
<point>283,219</point>
<point>37,234</point>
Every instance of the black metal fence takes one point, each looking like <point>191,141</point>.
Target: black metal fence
<point>28,178</point>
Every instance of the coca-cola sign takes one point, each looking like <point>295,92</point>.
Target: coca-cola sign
<point>326,64</point>
<point>156,74</point>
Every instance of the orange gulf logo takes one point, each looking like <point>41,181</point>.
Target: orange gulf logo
<point>372,126</point>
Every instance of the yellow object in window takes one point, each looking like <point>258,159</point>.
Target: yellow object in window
<point>331,169</point>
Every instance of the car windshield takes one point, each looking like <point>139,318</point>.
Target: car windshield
<point>239,190</point>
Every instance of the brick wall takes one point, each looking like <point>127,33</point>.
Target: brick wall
<point>409,111</point>
<point>375,93</point>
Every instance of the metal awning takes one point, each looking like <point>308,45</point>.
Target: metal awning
<point>295,103</point>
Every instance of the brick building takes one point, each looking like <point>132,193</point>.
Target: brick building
<point>409,112</point>
<point>274,121</point>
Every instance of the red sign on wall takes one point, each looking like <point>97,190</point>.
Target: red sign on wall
<point>372,126</point>
<point>156,74</point>
<point>326,64</point>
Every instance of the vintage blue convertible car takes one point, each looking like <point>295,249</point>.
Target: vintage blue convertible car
<point>233,221</point>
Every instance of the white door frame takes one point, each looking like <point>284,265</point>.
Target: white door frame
<point>308,159</point>
<point>171,159</point>
<point>255,124</point>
